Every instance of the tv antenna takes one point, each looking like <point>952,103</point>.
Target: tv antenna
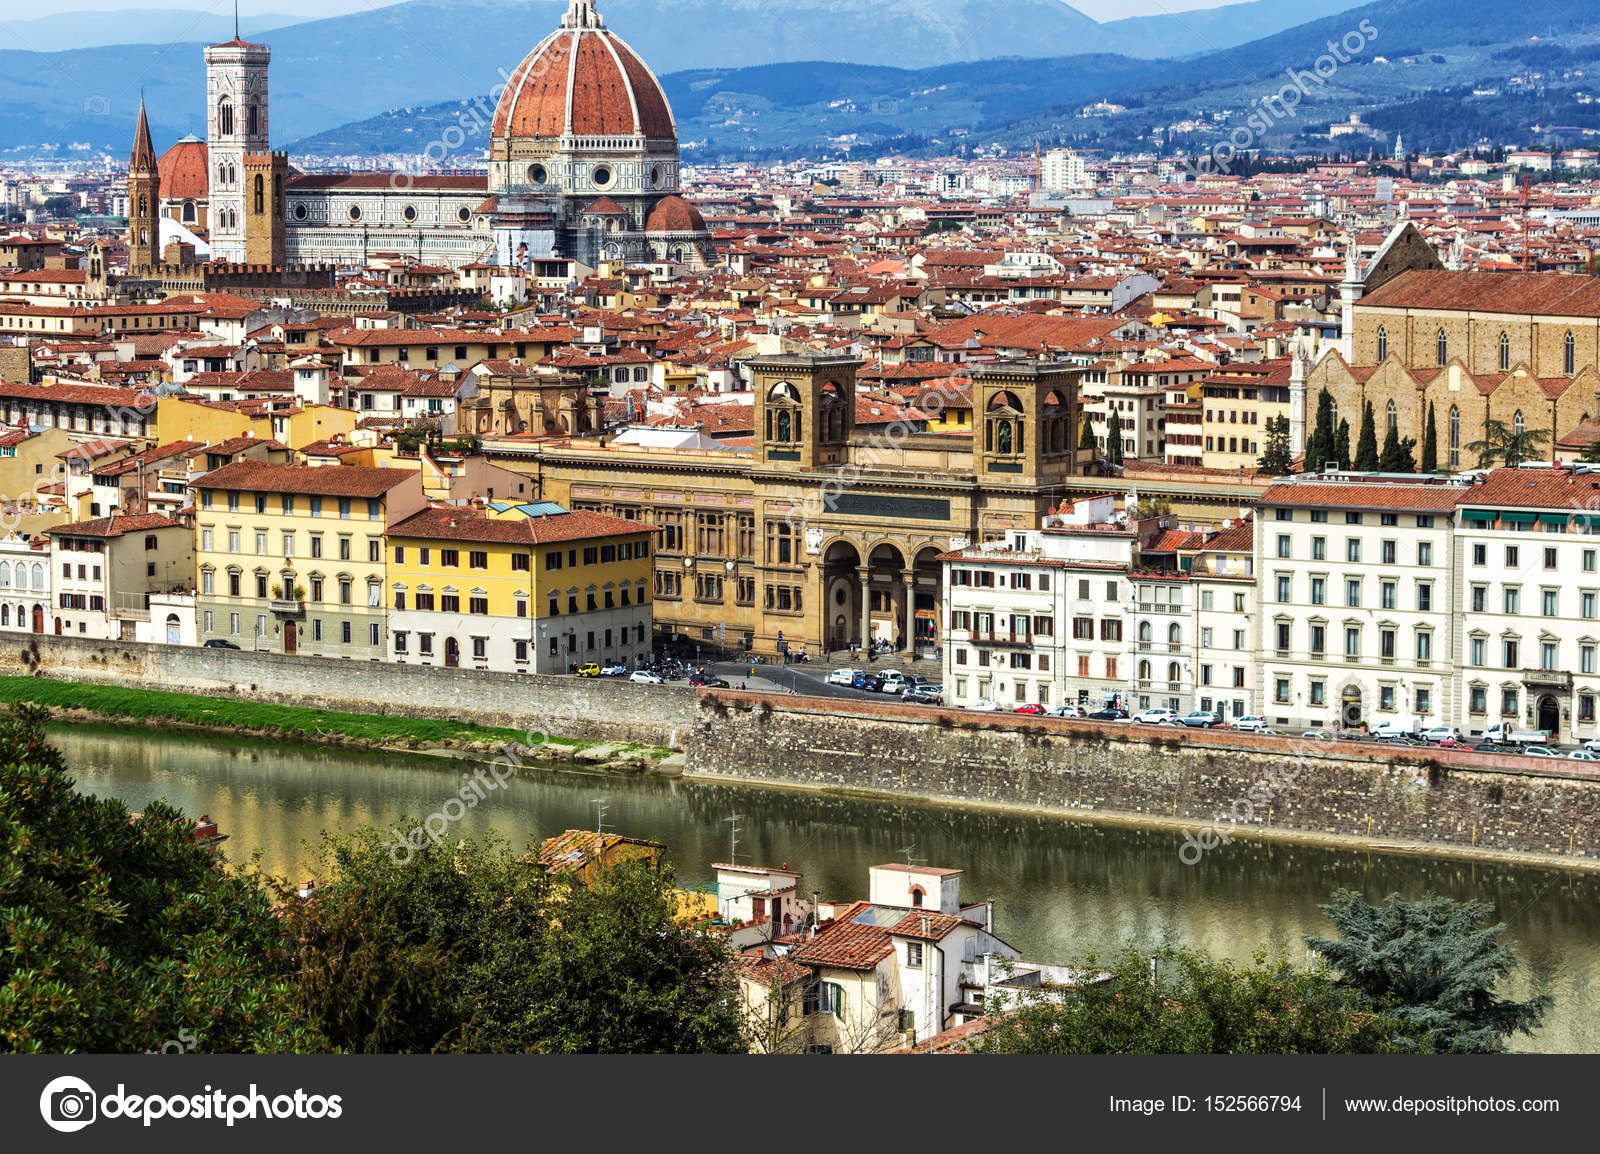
<point>912,862</point>
<point>733,837</point>
<point>600,808</point>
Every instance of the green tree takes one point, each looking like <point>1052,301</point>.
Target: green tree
<point>120,932</point>
<point>1182,1001</point>
<point>1086,437</point>
<point>1319,445</point>
<point>1276,459</point>
<point>1367,443</point>
<point>1591,453</point>
<point>463,947</point>
<point>1114,440</point>
<point>1507,444</point>
<point>1433,964</point>
<point>1430,445</point>
<point>1341,444</point>
<point>1397,453</point>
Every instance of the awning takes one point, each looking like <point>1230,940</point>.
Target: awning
<point>1552,518</point>
<point>1516,518</point>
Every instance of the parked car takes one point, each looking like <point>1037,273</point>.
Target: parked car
<point>1390,729</point>
<point>872,683</point>
<point>843,676</point>
<point>859,681</point>
<point>1582,755</point>
<point>1538,751</point>
<point>1439,734</point>
<point>1065,711</point>
<point>1451,743</point>
<point>589,669</point>
<point>615,669</point>
<point>1031,710</point>
<point>1250,724</point>
<point>1201,719</point>
<point>1507,735</point>
<point>1318,735</point>
<point>986,707</point>
<point>1109,715</point>
<point>1592,745</point>
<point>644,677</point>
<point>219,643</point>
<point>1485,747</point>
<point>1269,731</point>
<point>1154,716</point>
<point>891,681</point>
<point>925,695</point>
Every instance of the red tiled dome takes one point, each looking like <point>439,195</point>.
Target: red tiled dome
<point>674,214</point>
<point>183,169</point>
<point>584,81</point>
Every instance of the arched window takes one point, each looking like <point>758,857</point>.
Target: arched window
<point>144,205</point>
<point>261,195</point>
<point>188,212</point>
<point>1505,353</point>
<point>5,614</point>
<point>1518,425</point>
<point>1392,420</point>
<point>1144,671</point>
<point>1145,631</point>
<point>38,576</point>
<point>785,426</point>
<point>916,897</point>
<point>1383,344</point>
<point>252,118</point>
<point>1172,672</point>
<point>1455,436</point>
<point>225,117</point>
<point>1569,355</point>
<point>1174,633</point>
<point>1441,347</point>
<point>5,575</point>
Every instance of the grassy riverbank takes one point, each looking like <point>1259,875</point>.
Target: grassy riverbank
<point>220,713</point>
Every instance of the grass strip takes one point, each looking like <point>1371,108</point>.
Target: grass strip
<point>224,713</point>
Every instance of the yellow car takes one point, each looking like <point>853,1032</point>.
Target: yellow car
<point>589,669</point>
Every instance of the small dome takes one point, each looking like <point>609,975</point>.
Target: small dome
<point>605,206</point>
<point>674,214</point>
<point>184,168</point>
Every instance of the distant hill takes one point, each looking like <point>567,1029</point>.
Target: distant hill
<point>62,31</point>
<point>349,68</point>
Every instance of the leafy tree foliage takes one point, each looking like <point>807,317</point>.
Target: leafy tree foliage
<point>1433,964</point>
<point>120,932</point>
<point>1430,445</point>
<point>464,948</point>
<point>1367,443</point>
<point>1276,459</point>
<point>1504,443</point>
<point>1186,1002</point>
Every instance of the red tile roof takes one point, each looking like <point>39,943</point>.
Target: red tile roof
<point>460,524</point>
<point>115,526</point>
<point>327,480</point>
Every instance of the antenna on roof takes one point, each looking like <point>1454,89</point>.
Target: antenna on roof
<point>236,19</point>
<point>912,862</point>
<point>733,838</point>
<point>600,808</point>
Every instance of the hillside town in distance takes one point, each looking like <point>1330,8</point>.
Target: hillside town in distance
<point>1310,452</point>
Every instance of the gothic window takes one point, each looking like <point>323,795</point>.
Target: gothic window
<point>1518,425</point>
<point>1455,436</point>
<point>1569,355</point>
<point>225,117</point>
<point>832,416</point>
<point>1441,347</point>
<point>1392,419</point>
<point>1383,344</point>
<point>144,206</point>
<point>252,118</point>
<point>1505,353</point>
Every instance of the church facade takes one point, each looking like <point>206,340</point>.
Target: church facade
<point>583,164</point>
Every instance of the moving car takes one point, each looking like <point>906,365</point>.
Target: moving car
<point>1485,747</point>
<point>1592,745</point>
<point>1031,710</point>
<point>644,677</point>
<point>707,681</point>
<point>1065,711</point>
<point>1538,751</point>
<point>1582,755</point>
<point>1201,719</point>
<point>1250,724</point>
<point>1451,743</point>
<point>1441,733</point>
<point>1109,715</point>
<point>1318,735</point>
<point>843,676</point>
<point>615,669</point>
<point>925,695</point>
<point>1506,735</point>
<point>1154,716</point>
<point>588,669</point>
<point>986,707</point>
<point>219,643</point>
<point>1392,729</point>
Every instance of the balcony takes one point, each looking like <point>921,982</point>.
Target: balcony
<point>978,635</point>
<point>1547,678</point>
<point>285,608</point>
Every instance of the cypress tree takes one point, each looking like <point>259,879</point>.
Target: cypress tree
<point>1367,444</point>
<point>1430,445</point>
<point>1114,440</point>
<point>1319,446</point>
<point>1341,444</point>
<point>1086,440</point>
<point>1394,456</point>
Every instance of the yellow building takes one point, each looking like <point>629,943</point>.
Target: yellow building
<point>1236,403</point>
<point>518,588</point>
<point>291,558</point>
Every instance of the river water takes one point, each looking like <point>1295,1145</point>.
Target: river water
<point>1059,887</point>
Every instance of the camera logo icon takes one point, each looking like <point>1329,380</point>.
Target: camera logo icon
<point>67,1104</point>
<point>97,106</point>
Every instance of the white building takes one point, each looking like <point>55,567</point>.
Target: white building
<point>1062,170</point>
<point>24,584</point>
<point>1161,613</point>
<point>1226,622</point>
<point>107,569</point>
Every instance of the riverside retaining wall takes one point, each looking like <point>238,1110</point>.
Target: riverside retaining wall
<point>1359,792</point>
<point>570,706</point>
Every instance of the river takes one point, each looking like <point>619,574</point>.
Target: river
<point>1059,886</point>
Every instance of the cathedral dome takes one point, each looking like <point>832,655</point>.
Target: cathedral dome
<point>674,214</point>
<point>183,169</point>
<point>582,80</point>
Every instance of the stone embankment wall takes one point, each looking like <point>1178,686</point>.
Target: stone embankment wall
<point>1357,792</point>
<point>569,706</point>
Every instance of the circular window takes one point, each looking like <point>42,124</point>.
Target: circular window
<point>658,177</point>
<point>409,213</point>
<point>602,177</point>
<point>301,212</point>
<point>464,215</point>
<point>537,174</point>
<point>355,212</point>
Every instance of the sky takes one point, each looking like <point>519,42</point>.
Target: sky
<point>29,9</point>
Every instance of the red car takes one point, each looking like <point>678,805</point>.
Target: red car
<point>1033,710</point>
<point>1452,743</point>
